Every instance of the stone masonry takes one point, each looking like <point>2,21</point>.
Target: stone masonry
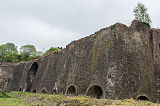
<point>117,62</point>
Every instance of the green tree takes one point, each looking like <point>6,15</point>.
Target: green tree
<point>140,13</point>
<point>27,52</point>
<point>8,53</point>
<point>39,53</point>
<point>52,49</point>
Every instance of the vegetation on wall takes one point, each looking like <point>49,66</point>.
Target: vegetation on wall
<point>108,44</point>
<point>10,53</point>
<point>140,13</point>
<point>96,52</point>
<point>52,49</point>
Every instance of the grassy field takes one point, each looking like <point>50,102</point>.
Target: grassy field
<point>37,99</point>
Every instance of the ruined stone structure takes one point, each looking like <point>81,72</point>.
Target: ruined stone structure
<point>117,62</point>
<point>6,70</point>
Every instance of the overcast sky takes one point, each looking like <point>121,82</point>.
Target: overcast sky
<point>46,23</point>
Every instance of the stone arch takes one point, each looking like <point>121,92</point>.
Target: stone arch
<point>95,91</point>
<point>44,90</point>
<point>31,76</point>
<point>143,97</point>
<point>34,91</point>
<point>20,89</point>
<point>33,69</point>
<point>71,91</point>
<point>6,84</point>
<point>54,92</point>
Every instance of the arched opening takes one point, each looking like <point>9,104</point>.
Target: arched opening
<point>95,92</point>
<point>31,76</point>
<point>33,69</point>
<point>143,98</point>
<point>20,89</point>
<point>6,84</point>
<point>34,91</point>
<point>71,91</point>
<point>44,91</point>
<point>54,92</point>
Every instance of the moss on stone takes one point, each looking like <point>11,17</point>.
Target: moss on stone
<point>108,44</point>
<point>97,54</point>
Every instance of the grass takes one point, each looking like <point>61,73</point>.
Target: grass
<point>37,99</point>
<point>12,102</point>
<point>3,94</point>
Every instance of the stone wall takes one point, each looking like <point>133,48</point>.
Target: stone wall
<point>6,70</point>
<point>117,62</point>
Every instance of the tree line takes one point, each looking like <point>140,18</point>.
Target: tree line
<point>10,53</point>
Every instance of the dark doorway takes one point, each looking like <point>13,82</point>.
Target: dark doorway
<point>71,91</point>
<point>143,98</point>
<point>31,76</point>
<point>54,92</point>
<point>95,92</point>
<point>20,89</point>
<point>44,91</point>
<point>34,91</point>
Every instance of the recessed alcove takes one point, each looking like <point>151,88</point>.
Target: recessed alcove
<point>71,91</point>
<point>95,92</point>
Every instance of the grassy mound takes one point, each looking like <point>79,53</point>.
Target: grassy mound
<point>3,94</point>
<point>39,99</point>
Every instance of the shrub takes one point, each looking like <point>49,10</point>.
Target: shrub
<point>3,94</point>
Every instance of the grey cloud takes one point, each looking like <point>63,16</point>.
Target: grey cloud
<point>46,23</point>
